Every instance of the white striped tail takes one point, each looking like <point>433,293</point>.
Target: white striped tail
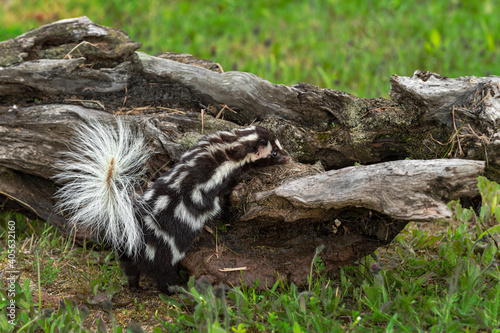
<point>100,175</point>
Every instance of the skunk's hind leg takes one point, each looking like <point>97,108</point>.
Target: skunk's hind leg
<point>131,271</point>
<point>165,276</point>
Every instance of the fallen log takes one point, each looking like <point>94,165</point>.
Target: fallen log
<point>351,212</point>
<point>53,77</point>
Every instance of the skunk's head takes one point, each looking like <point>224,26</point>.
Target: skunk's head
<point>267,149</point>
<point>253,146</point>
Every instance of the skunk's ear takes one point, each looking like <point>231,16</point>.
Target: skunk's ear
<point>262,143</point>
<point>255,146</point>
<point>264,149</point>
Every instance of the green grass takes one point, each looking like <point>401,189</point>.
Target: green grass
<point>429,279</point>
<point>352,46</point>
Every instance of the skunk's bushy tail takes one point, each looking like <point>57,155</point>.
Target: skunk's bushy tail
<point>100,175</point>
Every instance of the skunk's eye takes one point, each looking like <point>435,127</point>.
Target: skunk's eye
<point>274,153</point>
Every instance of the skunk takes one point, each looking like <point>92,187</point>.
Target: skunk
<point>151,234</point>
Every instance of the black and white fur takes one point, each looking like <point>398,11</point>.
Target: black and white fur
<point>152,233</point>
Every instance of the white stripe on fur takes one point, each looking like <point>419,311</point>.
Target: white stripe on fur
<point>161,234</point>
<point>148,195</point>
<point>176,185</point>
<point>278,144</point>
<point>161,203</point>
<point>150,252</point>
<point>195,223</point>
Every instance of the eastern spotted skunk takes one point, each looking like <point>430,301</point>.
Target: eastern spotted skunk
<point>151,234</point>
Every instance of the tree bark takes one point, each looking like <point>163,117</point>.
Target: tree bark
<point>351,212</point>
<point>53,77</point>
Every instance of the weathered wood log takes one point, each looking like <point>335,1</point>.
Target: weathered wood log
<point>322,124</point>
<point>435,95</point>
<point>53,77</point>
<point>470,106</point>
<point>351,211</point>
<point>413,190</point>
